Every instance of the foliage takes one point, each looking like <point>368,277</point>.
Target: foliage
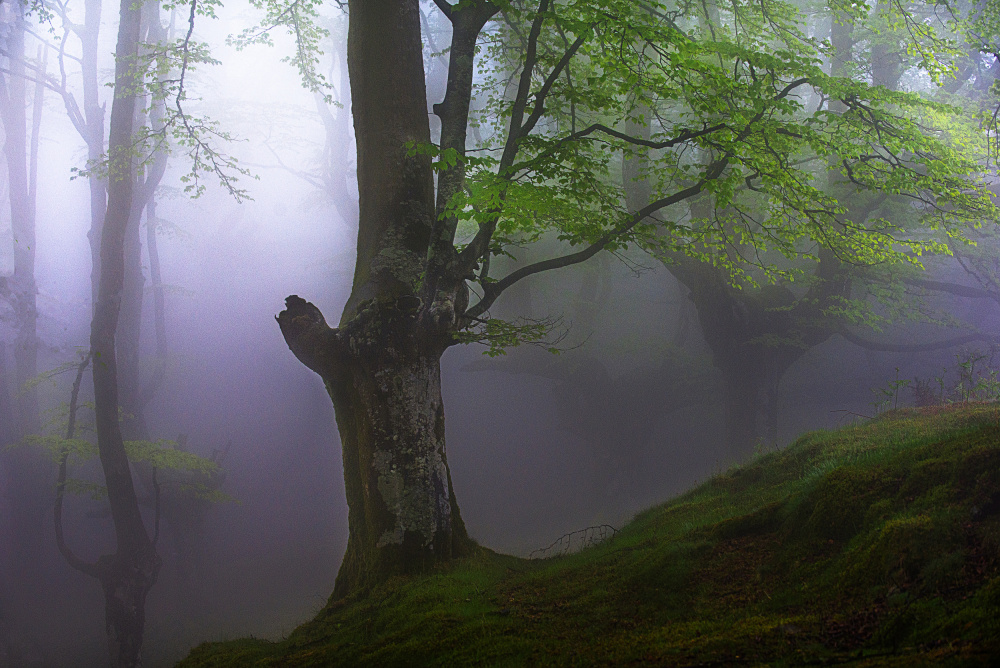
<point>48,376</point>
<point>499,335</point>
<point>301,19</point>
<point>732,102</point>
<point>161,75</point>
<point>727,115</point>
<point>877,544</point>
<point>889,394</point>
<point>162,455</point>
<point>976,380</point>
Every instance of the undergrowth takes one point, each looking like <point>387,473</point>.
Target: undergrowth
<point>875,545</point>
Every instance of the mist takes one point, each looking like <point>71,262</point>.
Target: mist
<point>621,405</point>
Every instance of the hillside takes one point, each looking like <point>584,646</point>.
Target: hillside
<point>876,544</point>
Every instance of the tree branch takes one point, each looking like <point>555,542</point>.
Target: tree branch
<point>915,347</point>
<point>310,339</point>
<point>951,288</point>
<point>684,136</point>
<point>493,290</point>
<point>64,549</point>
<point>539,108</point>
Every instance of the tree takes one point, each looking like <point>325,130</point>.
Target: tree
<point>127,575</point>
<point>22,169</point>
<point>736,98</point>
<point>130,572</point>
<point>28,475</point>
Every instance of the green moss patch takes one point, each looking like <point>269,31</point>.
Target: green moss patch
<point>874,545</point>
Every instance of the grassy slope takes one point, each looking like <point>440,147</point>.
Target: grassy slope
<point>877,544</point>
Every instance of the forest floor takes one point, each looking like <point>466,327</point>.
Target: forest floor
<point>872,545</point>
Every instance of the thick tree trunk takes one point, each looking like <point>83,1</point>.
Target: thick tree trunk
<point>382,365</point>
<point>384,376</point>
<point>403,513</point>
<point>126,579</point>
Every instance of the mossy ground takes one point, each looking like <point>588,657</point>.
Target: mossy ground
<point>877,544</point>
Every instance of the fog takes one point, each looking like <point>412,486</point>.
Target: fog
<point>629,412</point>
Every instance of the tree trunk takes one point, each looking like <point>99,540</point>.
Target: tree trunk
<point>129,332</point>
<point>29,471</point>
<point>384,377</point>
<point>13,100</point>
<point>403,514</point>
<point>382,365</point>
<point>744,387</point>
<point>6,410</point>
<point>126,579</point>
<point>135,395</point>
<point>93,111</point>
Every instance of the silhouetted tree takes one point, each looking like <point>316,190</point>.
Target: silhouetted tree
<point>128,574</point>
<point>28,474</point>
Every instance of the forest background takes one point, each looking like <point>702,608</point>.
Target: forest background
<point>632,405</point>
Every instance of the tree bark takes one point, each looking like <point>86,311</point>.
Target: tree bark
<point>383,374</point>
<point>403,514</point>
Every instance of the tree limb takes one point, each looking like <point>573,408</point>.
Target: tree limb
<point>916,347</point>
<point>64,549</point>
<point>952,288</point>
<point>493,290</point>
<point>445,8</point>
<point>310,339</point>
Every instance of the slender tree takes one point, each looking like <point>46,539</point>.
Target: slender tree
<point>136,394</point>
<point>22,155</point>
<point>28,472</point>
<point>127,575</point>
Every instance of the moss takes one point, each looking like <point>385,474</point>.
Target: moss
<point>838,503</point>
<point>875,545</point>
<point>762,520</point>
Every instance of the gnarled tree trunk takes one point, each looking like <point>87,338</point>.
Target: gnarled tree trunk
<point>382,365</point>
<point>383,373</point>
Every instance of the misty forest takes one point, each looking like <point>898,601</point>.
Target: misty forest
<point>710,289</point>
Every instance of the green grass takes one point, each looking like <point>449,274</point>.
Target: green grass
<point>875,545</point>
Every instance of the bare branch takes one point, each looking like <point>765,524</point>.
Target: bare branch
<point>952,288</point>
<point>539,108</point>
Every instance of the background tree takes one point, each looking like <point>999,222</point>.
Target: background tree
<point>24,475</point>
<point>129,573</point>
